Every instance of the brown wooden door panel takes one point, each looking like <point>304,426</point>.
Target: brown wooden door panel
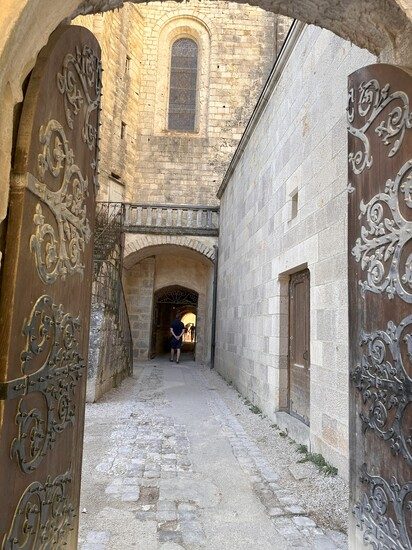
<point>380,298</point>
<point>46,294</point>
<point>299,346</point>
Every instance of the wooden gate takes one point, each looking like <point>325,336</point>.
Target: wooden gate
<point>45,295</point>
<point>299,334</point>
<point>380,307</point>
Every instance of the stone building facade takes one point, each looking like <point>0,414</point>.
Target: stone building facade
<point>283,210</point>
<point>120,35</point>
<point>142,160</point>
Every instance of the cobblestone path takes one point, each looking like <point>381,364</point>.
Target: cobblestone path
<point>168,466</point>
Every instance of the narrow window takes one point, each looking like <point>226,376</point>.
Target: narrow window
<point>127,64</point>
<point>123,130</point>
<point>115,176</point>
<point>183,83</point>
<point>295,205</point>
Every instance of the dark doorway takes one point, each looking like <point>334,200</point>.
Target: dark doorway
<point>168,302</point>
<point>299,333</point>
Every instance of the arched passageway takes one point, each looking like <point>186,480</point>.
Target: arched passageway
<point>160,280</point>
<point>169,302</point>
<point>381,27</point>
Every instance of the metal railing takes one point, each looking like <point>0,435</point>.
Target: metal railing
<point>125,332</point>
<point>167,218</point>
<point>108,229</point>
<point>107,287</point>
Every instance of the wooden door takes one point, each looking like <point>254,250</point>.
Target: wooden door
<point>46,294</point>
<point>299,338</point>
<point>380,306</point>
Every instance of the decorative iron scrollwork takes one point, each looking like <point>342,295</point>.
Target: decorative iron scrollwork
<point>61,254</point>
<point>52,342</point>
<point>43,517</point>
<point>372,100</point>
<point>381,246</point>
<point>373,509</point>
<point>177,295</point>
<point>80,81</point>
<point>385,385</point>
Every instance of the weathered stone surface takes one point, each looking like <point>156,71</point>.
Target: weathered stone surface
<point>342,17</point>
<point>237,46</point>
<point>297,146</point>
<point>224,501</point>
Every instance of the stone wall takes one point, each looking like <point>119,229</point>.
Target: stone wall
<point>237,47</point>
<point>139,288</point>
<point>284,208</point>
<point>108,363</point>
<point>120,35</point>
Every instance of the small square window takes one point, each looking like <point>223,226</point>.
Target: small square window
<point>123,130</point>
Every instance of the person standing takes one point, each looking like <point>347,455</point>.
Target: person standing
<point>177,330</point>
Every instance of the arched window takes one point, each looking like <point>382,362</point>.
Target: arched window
<point>183,84</point>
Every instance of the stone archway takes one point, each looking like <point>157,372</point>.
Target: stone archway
<point>168,302</point>
<point>136,246</point>
<point>153,262</point>
<point>383,27</point>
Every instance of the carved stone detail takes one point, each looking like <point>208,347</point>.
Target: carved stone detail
<point>386,388</point>
<point>52,342</point>
<point>43,516</point>
<point>381,514</point>
<point>58,255</point>
<point>384,237</point>
<point>372,100</point>
<point>80,81</point>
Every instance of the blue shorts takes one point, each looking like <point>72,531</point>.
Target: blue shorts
<point>176,344</point>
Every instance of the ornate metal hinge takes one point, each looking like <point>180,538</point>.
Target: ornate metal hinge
<point>52,346</point>
<point>13,388</point>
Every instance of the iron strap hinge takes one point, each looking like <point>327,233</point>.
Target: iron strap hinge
<point>14,388</point>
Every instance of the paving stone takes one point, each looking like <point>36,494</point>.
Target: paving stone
<point>169,536</point>
<point>166,505</point>
<point>167,515</point>
<point>168,525</point>
<point>188,514</point>
<point>186,506</point>
<point>324,543</point>
<point>192,532</point>
<point>130,496</point>
<point>295,509</point>
<point>145,516</point>
<point>304,521</point>
<point>151,470</point>
<point>274,512</point>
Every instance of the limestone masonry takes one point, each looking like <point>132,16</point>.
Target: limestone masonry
<point>283,210</point>
<point>143,161</point>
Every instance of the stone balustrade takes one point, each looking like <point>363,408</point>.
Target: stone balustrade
<point>171,218</point>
